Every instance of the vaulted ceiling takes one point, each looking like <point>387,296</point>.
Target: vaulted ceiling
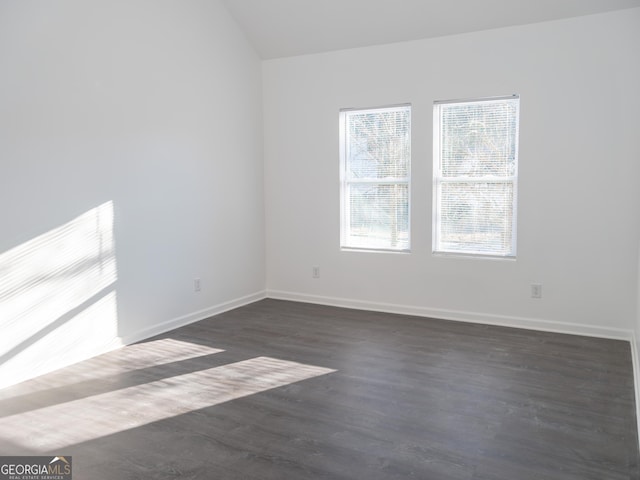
<point>281,28</point>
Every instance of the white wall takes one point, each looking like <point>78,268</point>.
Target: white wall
<point>636,345</point>
<point>138,125</point>
<point>579,222</point>
<point>150,111</point>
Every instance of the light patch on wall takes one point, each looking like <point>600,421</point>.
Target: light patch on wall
<point>82,420</point>
<point>57,297</point>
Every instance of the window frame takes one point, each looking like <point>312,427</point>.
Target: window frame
<point>439,179</point>
<point>345,182</point>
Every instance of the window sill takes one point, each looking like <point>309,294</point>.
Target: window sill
<point>373,250</point>
<point>480,256</point>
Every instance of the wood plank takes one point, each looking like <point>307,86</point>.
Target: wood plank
<point>399,397</point>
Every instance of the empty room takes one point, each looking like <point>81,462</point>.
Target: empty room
<point>347,239</point>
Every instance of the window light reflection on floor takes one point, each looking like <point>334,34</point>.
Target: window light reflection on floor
<point>112,364</point>
<point>82,420</point>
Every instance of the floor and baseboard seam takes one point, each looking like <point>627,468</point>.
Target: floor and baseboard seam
<point>193,317</point>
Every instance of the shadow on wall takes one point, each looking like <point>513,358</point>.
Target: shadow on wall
<point>58,297</point>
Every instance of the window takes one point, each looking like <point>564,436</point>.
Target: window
<point>475,176</point>
<point>375,162</point>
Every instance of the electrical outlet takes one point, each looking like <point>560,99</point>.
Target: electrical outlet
<point>196,285</point>
<point>315,271</point>
<point>536,290</point>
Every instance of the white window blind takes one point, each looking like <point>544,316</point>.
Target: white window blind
<point>375,162</point>
<point>475,176</point>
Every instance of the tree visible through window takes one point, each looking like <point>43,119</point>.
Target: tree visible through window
<point>375,176</point>
<point>475,176</point>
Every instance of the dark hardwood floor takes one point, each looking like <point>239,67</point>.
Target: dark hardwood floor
<point>283,390</point>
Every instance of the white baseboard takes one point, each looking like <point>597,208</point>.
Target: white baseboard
<point>192,318</point>
<point>459,315</point>
<point>635,354</point>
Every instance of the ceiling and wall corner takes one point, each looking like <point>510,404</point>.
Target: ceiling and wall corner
<point>283,28</point>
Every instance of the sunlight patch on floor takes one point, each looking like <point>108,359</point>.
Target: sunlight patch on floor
<point>82,420</point>
<point>118,362</point>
